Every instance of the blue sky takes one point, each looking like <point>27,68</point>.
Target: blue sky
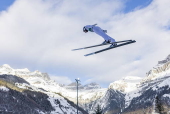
<point>4,4</point>
<point>129,4</point>
<point>40,34</point>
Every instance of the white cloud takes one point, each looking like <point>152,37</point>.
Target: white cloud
<point>61,79</point>
<point>43,33</point>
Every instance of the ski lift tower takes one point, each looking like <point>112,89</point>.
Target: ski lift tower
<point>77,80</point>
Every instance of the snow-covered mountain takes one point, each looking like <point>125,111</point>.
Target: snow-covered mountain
<point>43,95</point>
<point>134,95</point>
<point>129,95</point>
<point>41,82</point>
<point>162,69</point>
<point>23,73</point>
<point>140,94</point>
<point>126,84</point>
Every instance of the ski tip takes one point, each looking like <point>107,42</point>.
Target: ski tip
<point>77,49</point>
<point>89,54</point>
<point>132,40</point>
<point>73,49</point>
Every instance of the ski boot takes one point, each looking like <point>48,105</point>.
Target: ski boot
<point>113,45</point>
<point>106,42</point>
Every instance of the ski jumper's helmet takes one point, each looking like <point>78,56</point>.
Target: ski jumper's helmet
<point>85,30</point>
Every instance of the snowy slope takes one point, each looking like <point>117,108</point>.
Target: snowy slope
<point>4,88</point>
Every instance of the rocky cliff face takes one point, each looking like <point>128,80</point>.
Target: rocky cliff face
<point>17,100</point>
<point>162,69</point>
<point>144,101</point>
<point>23,73</point>
<point>27,102</point>
<point>126,84</point>
<point>112,102</point>
<point>167,59</point>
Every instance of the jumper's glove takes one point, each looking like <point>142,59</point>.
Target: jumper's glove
<point>105,31</point>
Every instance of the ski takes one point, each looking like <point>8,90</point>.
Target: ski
<point>126,43</point>
<point>100,45</point>
<point>90,47</point>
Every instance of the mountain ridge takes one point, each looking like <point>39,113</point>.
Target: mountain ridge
<point>122,96</point>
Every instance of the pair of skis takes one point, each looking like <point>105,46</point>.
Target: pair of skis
<point>119,44</point>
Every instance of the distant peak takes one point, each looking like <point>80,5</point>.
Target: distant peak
<point>167,59</point>
<point>6,65</point>
<point>73,84</point>
<point>126,84</point>
<point>92,83</point>
<point>131,78</point>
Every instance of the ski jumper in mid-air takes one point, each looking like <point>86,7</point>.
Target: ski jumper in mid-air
<point>107,38</point>
<point>101,32</point>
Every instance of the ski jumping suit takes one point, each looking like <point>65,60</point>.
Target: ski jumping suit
<point>99,31</point>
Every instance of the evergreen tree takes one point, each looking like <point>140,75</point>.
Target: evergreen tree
<point>98,110</point>
<point>159,105</point>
